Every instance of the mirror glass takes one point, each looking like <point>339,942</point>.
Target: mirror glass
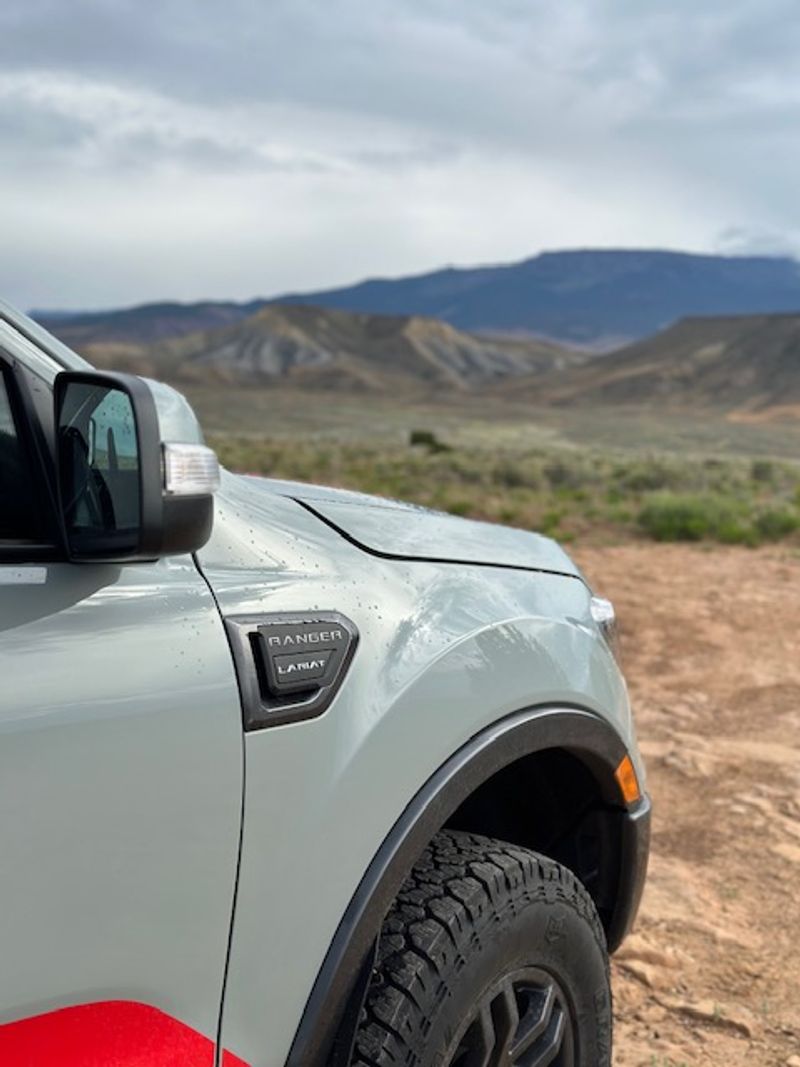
<point>99,465</point>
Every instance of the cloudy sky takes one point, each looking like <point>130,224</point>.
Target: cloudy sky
<point>186,149</point>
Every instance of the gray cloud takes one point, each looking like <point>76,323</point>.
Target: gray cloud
<point>252,147</point>
<point>742,240</point>
<point>28,132</point>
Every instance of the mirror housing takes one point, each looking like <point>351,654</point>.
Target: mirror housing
<point>123,494</point>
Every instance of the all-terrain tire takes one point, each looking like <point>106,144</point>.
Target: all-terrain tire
<point>491,955</point>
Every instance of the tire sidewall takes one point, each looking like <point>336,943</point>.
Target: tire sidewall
<point>552,937</point>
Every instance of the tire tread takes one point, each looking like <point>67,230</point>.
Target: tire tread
<point>462,885</point>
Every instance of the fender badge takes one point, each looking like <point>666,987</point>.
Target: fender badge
<point>291,665</point>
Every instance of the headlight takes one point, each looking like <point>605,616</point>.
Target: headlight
<point>602,611</point>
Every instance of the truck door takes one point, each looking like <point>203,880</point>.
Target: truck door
<point>120,796</point>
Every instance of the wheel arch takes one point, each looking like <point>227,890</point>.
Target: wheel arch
<point>331,1012</point>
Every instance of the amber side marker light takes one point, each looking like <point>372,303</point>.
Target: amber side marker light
<point>627,781</point>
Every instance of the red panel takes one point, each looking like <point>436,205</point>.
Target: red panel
<point>110,1034</point>
<point>229,1060</point>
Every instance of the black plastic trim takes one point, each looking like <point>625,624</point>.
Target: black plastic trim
<point>260,711</point>
<point>634,855</point>
<point>428,559</point>
<point>581,732</point>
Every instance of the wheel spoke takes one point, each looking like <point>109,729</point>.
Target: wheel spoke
<point>535,1019</point>
<point>488,1038</point>
<point>523,1022</point>
<point>478,1044</point>
<point>505,1015</point>
<point>545,1051</point>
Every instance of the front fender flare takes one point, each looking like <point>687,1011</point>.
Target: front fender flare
<point>582,733</point>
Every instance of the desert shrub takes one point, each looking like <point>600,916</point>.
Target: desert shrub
<point>651,475</point>
<point>459,507</point>
<point>464,468</point>
<point>762,470</point>
<point>568,472</point>
<point>516,474</point>
<point>550,522</point>
<point>733,529</point>
<point>694,517</point>
<point>619,514</point>
<point>777,523</point>
<point>427,439</point>
<point>509,514</point>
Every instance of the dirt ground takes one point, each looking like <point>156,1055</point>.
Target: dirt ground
<point>711,644</point>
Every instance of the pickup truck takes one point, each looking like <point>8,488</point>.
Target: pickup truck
<point>290,776</point>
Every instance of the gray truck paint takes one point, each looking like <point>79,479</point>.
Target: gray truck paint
<point>120,789</point>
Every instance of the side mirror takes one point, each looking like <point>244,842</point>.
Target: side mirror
<point>125,495</point>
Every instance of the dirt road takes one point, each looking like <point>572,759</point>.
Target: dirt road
<point>712,653</point>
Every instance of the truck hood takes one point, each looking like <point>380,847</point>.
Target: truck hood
<point>393,529</point>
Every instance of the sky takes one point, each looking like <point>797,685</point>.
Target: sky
<point>186,149</point>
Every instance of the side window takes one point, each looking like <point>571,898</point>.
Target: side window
<point>18,512</point>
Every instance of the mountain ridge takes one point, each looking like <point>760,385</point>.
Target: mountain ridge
<point>333,349</point>
<point>736,363</point>
<point>599,298</point>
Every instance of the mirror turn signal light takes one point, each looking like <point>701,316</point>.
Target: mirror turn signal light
<point>627,781</point>
<point>190,470</point>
